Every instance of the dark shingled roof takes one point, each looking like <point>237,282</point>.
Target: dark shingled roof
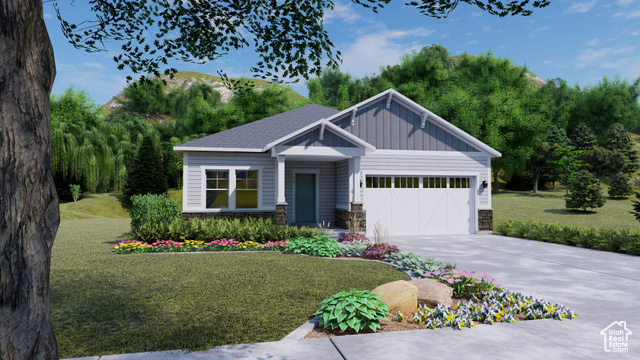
<point>257,134</point>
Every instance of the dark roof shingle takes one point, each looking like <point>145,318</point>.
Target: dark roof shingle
<point>257,134</point>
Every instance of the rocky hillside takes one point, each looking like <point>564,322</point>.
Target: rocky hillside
<point>185,79</point>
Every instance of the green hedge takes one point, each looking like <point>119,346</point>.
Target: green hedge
<point>620,241</point>
<point>151,208</point>
<point>258,230</point>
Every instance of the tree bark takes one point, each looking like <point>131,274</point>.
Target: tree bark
<point>29,218</point>
<point>536,176</point>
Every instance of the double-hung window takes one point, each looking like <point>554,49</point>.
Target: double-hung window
<point>232,189</point>
<point>217,189</point>
<point>246,189</point>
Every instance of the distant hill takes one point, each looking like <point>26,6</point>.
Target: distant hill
<point>185,79</point>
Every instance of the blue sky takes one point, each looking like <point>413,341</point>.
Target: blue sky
<point>580,41</point>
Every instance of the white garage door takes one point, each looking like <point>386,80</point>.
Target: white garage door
<point>411,205</point>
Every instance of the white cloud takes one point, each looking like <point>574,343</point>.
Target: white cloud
<point>94,65</point>
<point>486,28</point>
<point>48,16</point>
<point>624,3</point>
<point>594,42</point>
<point>629,14</point>
<point>342,12</point>
<point>581,7</point>
<point>624,50</point>
<point>368,53</point>
<point>475,14</point>
<point>590,55</point>
<point>534,31</point>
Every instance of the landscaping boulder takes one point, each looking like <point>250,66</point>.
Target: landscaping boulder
<point>399,296</point>
<point>432,292</point>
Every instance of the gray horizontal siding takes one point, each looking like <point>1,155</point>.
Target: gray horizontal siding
<point>312,138</point>
<point>342,183</point>
<point>410,164</point>
<point>194,177</point>
<point>327,188</point>
<point>399,128</point>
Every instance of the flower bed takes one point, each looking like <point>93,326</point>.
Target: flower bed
<point>137,246</point>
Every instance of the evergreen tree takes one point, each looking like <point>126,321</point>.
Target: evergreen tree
<point>619,141</point>
<point>602,162</point>
<point>584,192</point>
<point>146,176</point>
<point>582,137</point>
<point>620,186</point>
<point>636,207</point>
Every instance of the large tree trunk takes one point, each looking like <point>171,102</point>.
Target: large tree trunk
<point>29,215</point>
<point>536,177</point>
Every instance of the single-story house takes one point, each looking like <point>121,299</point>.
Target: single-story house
<point>386,159</point>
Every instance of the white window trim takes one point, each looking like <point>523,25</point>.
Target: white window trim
<point>306,171</point>
<point>232,187</point>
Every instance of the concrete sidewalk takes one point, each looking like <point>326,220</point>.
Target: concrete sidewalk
<point>600,287</point>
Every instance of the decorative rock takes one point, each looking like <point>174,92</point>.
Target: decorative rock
<point>432,292</point>
<point>399,296</point>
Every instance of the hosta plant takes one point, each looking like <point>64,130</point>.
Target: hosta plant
<point>352,311</point>
<point>378,252</point>
<point>323,246</point>
<point>414,263</point>
<point>352,250</point>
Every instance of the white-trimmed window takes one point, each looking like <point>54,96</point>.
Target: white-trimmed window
<point>231,188</point>
<point>246,189</point>
<point>406,182</point>
<point>217,191</point>
<point>435,182</point>
<point>379,182</point>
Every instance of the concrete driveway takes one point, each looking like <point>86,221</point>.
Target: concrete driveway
<point>600,287</point>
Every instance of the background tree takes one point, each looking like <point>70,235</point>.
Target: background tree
<point>147,175</point>
<point>544,153</point>
<point>287,35</point>
<point>620,187</point>
<point>565,164</point>
<point>602,162</point>
<point>620,143</point>
<point>582,137</point>
<point>636,207</point>
<point>584,193</point>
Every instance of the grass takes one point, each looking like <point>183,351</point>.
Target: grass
<point>104,303</point>
<point>548,207</point>
<point>91,206</point>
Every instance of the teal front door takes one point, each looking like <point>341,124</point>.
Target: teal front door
<point>305,198</point>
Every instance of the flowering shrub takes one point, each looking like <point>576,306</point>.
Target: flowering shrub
<point>165,246</point>
<point>464,282</point>
<point>357,238</point>
<point>491,307</point>
<point>137,246</point>
<point>275,245</point>
<point>378,252</point>
<point>130,247</point>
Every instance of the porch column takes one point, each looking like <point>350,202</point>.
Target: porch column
<point>281,204</point>
<point>356,179</point>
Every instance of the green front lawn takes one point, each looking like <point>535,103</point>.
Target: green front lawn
<point>548,207</point>
<point>105,303</point>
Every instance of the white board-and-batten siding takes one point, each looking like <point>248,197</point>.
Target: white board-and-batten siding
<point>196,161</point>
<point>428,163</point>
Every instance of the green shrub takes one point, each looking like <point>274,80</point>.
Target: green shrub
<point>155,209</point>
<point>620,187</point>
<point>584,192</point>
<point>622,241</point>
<point>352,311</point>
<point>323,246</point>
<point>258,230</point>
<point>414,263</point>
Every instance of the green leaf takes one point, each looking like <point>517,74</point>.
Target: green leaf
<point>341,317</point>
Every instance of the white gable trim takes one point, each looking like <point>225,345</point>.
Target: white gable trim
<point>332,127</point>
<point>214,149</point>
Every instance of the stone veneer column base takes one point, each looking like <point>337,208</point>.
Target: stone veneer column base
<point>485,220</point>
<point>343,217</point>
<point>281,214</point>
